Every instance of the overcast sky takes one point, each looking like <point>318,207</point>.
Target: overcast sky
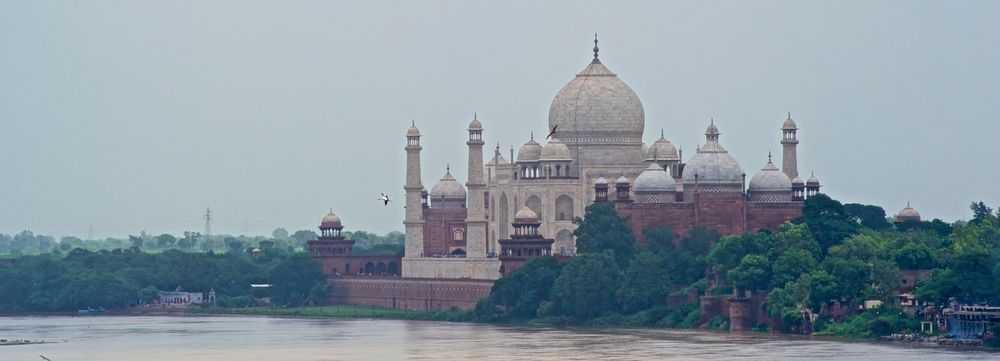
<point>135,115</point>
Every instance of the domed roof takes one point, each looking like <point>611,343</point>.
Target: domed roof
<point>712,163</point>
<point>555,150</point>
<point>812,180</point>
<point>712,129</point>
<point>770,178</point>
<point>413,131</point>
<point>530,151</point>
<point>908,212</point>
<point>448,187</point>
<point>596,105</point>
<point>623,179</point>
<point>475,124</point>
<point>798,181</point>
<point>654,179</point>
<point>601,180</point>
<point>789,123</point>
<point>662,149</point>
<point>525,215</point>
<point>330,221</point>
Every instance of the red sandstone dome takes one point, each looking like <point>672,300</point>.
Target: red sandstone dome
<point>330,221</point>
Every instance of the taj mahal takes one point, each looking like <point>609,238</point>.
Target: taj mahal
<point>509,210</point>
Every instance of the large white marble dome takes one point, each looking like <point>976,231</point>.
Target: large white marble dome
<point>600,116</point>
<point>597,106</point>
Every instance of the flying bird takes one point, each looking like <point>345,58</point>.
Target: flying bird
<point>44,358</point>
<point>384,198</point>
<point>552,132</point>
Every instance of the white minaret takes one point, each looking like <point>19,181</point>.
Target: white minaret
<point>475,216</point>
<point>789,164</point>
<point>414,221</point>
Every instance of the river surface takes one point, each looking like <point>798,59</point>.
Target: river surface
<point>194,338</point>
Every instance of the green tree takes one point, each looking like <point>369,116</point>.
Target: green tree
<point>136,242</point>
<point>279,233</point>
<point>980,212</point>
<point>522,291</point>
<point>293,279</point>
<point>189,241</point>
<point>753,273</point>
<point>602,229</point>
<point>303,236</point>
<point>165,241</point>
<point>789,266</point>
<point>827,221</point>
<point>646,283</point>
<point>659,239</point>
<point>148,294</point>
<point>233,245</point>
<point>793,237</point>
<point>586,287</point>
<point>913,256</point>
<point>853,276</point>
<point>869,216</point>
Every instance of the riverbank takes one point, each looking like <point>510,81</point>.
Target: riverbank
<point>337,311</point>
<point>373,312</point>
<point>15,342</point>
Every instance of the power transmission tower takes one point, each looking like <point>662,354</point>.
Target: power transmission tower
<point>208,224</point>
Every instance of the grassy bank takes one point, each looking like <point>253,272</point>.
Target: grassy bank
<point>338,311</point>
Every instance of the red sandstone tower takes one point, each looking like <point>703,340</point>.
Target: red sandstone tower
<point>526,242</point>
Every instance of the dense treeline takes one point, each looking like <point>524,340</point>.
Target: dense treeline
<point>128,277</point>
<point>28,243</point>
<point>832,253</point>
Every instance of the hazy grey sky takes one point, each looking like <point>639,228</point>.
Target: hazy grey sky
<point>136,115</point>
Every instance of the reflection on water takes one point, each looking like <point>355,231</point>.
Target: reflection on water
<point>263,338</point>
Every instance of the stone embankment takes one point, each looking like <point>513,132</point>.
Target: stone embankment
<point>931,340</point>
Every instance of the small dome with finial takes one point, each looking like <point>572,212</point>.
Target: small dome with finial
<point>812,181</point>
<point>530,151</point>
<point>907,214</point>
<point>789,123</point>
<point>601,180</point>
<point>331,220</point>
<point>712,129</point>
<point>447,188</point>
<point>475,124</point>
<point>712,163</point>
<point>413,131</point>
<point>770,179</point>
<point>623,180</point>
<point>662,149</point>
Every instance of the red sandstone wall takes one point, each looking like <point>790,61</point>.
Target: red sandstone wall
<point>723,215</point>
<point>771,215</point>
<point>333,264</point>
<point>438,223</point>
<point>409,293</point>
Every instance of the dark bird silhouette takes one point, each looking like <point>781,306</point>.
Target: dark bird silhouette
<point>552,132</point>
<point>44,358</point>
<point>384,198</point>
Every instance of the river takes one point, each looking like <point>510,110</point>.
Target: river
<point>194,338</point>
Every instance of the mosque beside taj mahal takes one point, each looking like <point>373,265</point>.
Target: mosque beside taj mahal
<point>510,210</point>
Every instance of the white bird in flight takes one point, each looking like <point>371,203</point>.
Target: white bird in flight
<point>384,198</point>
